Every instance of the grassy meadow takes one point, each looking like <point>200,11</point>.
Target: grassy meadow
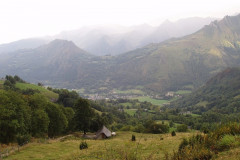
<point>126,104</point>
<point>146,146</point>
<point>151,100</point>
<point>44,91</point>
<point>131,112</point>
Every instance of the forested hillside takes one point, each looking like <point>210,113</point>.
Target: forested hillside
<point>30,111</point>
<point>217,100</point>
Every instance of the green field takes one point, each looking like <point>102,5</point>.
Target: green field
<point>131,112</point>
<point>43,90</point>
<point>126,104</point>
<point>174,128</point>
<point>151,111</point>
<point>146,146</point>
<point>151,100</point>
<point>195,115</point>
<point>97,111</point>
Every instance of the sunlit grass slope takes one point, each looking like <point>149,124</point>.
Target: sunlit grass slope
<point>44,91</point>
<point>152,146</point>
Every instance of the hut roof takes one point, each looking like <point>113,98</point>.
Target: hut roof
<point>105,131</point>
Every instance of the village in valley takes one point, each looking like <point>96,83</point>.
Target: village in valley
<point>133,95</point>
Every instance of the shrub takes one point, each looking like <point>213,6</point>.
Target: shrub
<point>133,137</point>
<point>158,128</point>
<point>196,152</point>
<point>226,142</point>
<point>182,128</point>
<point>231,129</point>
<point>204,147</point>
<point>139,128</point>
<point>83,145</point>
<point>23,139</point>
<point>173,133</point>
<point>171,124</point>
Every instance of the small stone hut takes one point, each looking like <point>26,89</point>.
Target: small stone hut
<point>103,133</point>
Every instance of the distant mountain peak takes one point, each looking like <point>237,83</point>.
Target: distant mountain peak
<point>60,45</point>
<point>61,42</point>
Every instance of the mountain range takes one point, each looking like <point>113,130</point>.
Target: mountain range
<point>113,40</point>
<point>189,60</point>
<point>117,39</point>
<point>176,63</point>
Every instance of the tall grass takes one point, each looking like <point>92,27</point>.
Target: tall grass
<point>207,146</point>
<point>146,147</point>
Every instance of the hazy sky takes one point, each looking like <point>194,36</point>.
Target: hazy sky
<point>31,18</point>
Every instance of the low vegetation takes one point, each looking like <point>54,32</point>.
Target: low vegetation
<point>146,146</point>
<point>207,146</point>
<point>83,145</point>
<point>131,112</point>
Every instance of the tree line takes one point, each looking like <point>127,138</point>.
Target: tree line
<point>28,113</point>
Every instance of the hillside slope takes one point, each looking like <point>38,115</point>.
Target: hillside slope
<point>49,94</point>
<point>221,94</point>
<point>26,86</point>
<point>189,60</point>
<point>58,61</point>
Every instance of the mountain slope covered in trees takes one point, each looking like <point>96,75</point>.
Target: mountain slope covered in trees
<point>220,94</point>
